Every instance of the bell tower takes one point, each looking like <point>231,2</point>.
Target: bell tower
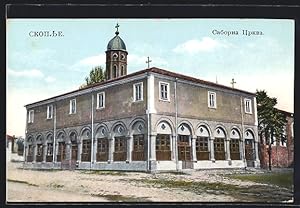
<point>116,57</point>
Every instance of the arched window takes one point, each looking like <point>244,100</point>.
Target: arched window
<point>61,151</point>
<point>138,152</point>
<point>49,154</point>
<point>163,138</point>
<point>115,56</point>
<point>184,143</point>
<point>122,56</point>
<point>249,145</point>
<point>29,157</point>
<point>234,145</point>
<point>115,71</point>
<point>219,146</point>
<point>86,146</point>
<point>102,144</point>
<point>202,143</point>
<point>102,149</point>
<point>120,153</point>
<point>74,147</point>
<point>39,146</point>
<point>122,70</point>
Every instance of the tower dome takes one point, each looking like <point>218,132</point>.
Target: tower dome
<point>116,57</point>
<point>116,43</point>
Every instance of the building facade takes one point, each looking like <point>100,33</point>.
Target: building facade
<point>282,150</point>
<point>14,149</point>
<point>149,120</point>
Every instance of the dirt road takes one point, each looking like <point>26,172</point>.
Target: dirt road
<point>103,186</point>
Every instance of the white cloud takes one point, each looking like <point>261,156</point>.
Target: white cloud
<point>206,44</point>
<point>93,60</point>
<point>50,79</point>
<point>89,62</point>
<point>33,73</point>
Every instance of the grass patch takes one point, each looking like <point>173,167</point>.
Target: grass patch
<point>43,170</point>
<point>175,173</point>
<point>24,182</point>
<point>55,185</point>
<point>259,193</point>
<point>121,198</point>
<point>280,179</point>
<point>101,172</point>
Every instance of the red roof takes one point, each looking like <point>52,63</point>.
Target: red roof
<point>154,70</point>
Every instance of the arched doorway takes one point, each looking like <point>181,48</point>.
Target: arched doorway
<point>202,143</point>
<point>219,144</point>
<point>249,148</point>
<point>235,145</point>
<point>102,144</point>
<point>163,141</point>
<point>74,146</point>
<point>184,144</point>
<point>61,147</point>
<point>29,156</point>
<point>39,149</point>
<point>139,147</point>
<point>120,153</point>
<point>86,145</point>
<point>49,143</point>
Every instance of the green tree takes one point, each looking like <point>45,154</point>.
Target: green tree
<point>271,121</point>
<point>96,76</point>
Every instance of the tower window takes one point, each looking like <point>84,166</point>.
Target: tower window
<point>115,72</point>
<point>122,70</point>
<point>122,56</point>
<point>115,56</point>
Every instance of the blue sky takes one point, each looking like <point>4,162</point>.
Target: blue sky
<point>41,67</point>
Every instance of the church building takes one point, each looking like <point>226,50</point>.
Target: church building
<point>149,120</point>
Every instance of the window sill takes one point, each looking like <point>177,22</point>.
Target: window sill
<point>212,107</point>
<point>99,109</point>
<point>250,113</point>
<point>49,119</point>
<point>138,101</point>
<point>164,100</point>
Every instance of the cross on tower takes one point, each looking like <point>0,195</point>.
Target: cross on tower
<point>148,62</point>
<point>117,26</point>
<point>232,82</point>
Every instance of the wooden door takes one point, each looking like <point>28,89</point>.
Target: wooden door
<point>184,151</point>
<point>74,152</point>
<point>249,150</point>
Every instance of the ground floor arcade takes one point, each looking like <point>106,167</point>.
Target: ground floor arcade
<point>123,145</point>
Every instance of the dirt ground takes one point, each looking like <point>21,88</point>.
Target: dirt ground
<point>104,186</point>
